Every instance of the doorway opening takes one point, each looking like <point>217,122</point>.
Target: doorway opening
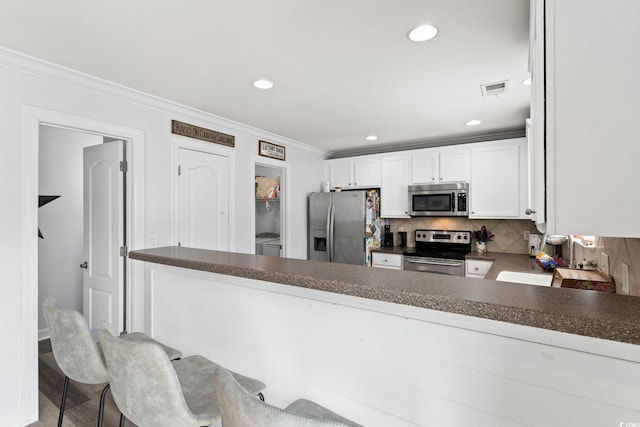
<point>269,212</point>
<point>77,199</point>
<point>32,119</point>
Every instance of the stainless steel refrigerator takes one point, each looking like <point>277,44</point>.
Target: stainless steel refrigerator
<point>344,226</point>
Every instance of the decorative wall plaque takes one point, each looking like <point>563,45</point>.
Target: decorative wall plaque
<point>268,149</point>
<point>192,131</point>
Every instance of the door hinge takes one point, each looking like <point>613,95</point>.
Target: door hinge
<point>123,251</point>
<point>179,170</point>
<point>124,166</point>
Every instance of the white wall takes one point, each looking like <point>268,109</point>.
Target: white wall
<point>24,82</point>
<point>60,253</point>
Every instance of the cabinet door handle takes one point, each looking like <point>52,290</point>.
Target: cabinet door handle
<point>529,211</point>
<point>84,265</point>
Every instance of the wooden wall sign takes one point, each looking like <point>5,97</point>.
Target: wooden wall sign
<point>192,131</point>
<point>268,149</point>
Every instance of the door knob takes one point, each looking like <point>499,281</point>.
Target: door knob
<point>529,211</point>
<point>84,265</point>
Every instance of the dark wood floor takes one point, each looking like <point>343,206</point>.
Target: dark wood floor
<point>82,399</point>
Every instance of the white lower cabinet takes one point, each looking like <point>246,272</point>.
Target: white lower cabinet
<point>477,268</point>
<point>386,260</point>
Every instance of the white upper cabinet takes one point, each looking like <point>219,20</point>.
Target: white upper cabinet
<point>366,172</point>
<point>499,179</point>
<point>592,110</point>
<point>340,173</point>
<point>424,167</point>
<point>536,124</point>
<point>361,172</point>
<point>394,196</point>
<point>437,165</point>
<point>454,165</point>
<point>536,189</point>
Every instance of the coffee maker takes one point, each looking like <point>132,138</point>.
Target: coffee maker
<point>403,239</point>
<point>387,238</point>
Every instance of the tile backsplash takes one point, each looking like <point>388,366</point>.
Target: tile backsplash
<point>509,238</point>
<point>620,250</point>
<point>509,234</point>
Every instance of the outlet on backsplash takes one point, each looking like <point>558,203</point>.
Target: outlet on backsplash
<point>604,263</point>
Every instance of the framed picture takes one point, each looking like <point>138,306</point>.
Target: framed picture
<point>268,149</point>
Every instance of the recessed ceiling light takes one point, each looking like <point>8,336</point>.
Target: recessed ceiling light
<point>371,138</point>
<point>263,84</point>
<point>473,123</point>
<point>527,81</point>
<point>423,33</point>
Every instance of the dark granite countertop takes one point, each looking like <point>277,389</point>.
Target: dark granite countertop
<point>593,314</point>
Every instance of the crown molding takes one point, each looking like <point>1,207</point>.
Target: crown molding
<point>400,146</point>
<point>27,64</point>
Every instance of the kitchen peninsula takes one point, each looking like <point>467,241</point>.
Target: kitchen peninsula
<point>401,348</point>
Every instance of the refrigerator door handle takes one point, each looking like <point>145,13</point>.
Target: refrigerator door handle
<point>332,252</point>
<point>329,232</point>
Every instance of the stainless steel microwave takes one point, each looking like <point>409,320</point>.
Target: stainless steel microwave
<point>439,199</point>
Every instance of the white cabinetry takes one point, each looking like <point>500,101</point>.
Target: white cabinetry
<point>592,110</point>
<point>536,124</point>
<point>394,197</point>
<point>385,260</point>
<point>340,173</point>
<point>436,165</point>
<point>354,172</point>
<point>477,268</point>
<point>499,177</point>
<point>536,189</point>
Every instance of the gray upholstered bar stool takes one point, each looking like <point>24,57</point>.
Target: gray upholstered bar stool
<point>152,391</point>
<point>78,355</point>
<point>239,409</point>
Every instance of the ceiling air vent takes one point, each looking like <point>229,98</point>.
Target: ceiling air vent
<point>496,88</point>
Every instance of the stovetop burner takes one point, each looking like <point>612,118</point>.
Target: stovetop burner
<point>443,244</point>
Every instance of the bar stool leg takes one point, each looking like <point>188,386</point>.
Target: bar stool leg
<point>64,400</point>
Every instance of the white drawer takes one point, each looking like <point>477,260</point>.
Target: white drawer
<point>477,267</point>
<point>384,260</point>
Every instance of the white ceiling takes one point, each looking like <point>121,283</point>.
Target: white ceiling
<point>343,69</point>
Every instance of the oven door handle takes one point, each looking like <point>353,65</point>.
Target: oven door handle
<point>418,261</point>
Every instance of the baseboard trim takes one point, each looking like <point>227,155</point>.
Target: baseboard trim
<point>43,334</point>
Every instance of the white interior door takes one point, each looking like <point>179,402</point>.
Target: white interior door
<point>103,275</point>
<point>203,198</point>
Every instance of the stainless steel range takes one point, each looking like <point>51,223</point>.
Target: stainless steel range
<point>439,251</point>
